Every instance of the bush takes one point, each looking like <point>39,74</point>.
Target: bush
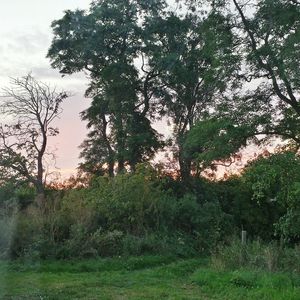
<point>203,220</point>
<point>275,183</point>
<point>107,243</point>
<point>130,214</point>
<point>128,202</point>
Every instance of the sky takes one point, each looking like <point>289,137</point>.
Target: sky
<point>25,36</point>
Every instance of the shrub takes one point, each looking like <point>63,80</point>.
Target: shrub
<point>275,182</point>
<point>130,214</point>
<point>128,202</point>
<point>107,243</point>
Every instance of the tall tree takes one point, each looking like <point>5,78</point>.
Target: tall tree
<point>270,44</point>
<point>30,108</point>
<point>106,41</point>
<point>193,57</point>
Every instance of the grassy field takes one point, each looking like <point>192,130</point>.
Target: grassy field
<point>144,277</point>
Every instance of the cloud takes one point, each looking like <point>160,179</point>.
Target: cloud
<point>25,36</point>
<point>25,43</point>
<point>21,52</point>
<point>75,83</point>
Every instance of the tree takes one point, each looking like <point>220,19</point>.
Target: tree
<point>268,44</point>
<point>193,56</point>
<point>30,107</point>
<point>272,44</point>
<point>269,33</point>
<point>106,42</point>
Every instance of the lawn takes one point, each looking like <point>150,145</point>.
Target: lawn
<point>147,277</point>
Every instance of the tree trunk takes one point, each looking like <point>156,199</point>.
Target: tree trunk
<point>185,165</point>
<point>39,184</point>
<point>111,165</point>
<point>121,165</point>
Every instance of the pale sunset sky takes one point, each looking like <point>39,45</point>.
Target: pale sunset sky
<point>25,36</point>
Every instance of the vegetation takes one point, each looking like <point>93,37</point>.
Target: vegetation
<point>140,213</point>
<point>31,107</point>
<point>224,74</point>
<point>148,277</point>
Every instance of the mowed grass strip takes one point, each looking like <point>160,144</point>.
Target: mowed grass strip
<point>146,277</point>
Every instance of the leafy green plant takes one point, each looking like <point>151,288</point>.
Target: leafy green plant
<point>275,184</point>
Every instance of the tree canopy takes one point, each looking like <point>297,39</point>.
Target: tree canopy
<point>108,40</point>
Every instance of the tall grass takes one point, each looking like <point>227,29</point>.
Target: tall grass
<point>7,229</point>
<point>257,255</point>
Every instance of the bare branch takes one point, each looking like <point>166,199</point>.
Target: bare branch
<point>32,106</point>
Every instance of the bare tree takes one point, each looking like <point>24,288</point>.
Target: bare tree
<point>29,108</point>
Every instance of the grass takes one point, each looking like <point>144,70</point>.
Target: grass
<point>146,277</point>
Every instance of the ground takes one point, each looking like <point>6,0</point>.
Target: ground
<point>136,278</point>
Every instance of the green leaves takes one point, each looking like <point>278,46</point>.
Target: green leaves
<point>276,180</point>
<point>214,140</point>
<point>106,41</point>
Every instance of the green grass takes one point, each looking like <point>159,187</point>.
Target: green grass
<point>147,277</point>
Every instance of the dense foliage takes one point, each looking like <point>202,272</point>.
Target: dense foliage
<point>224,74</point>
<point>143,212</point>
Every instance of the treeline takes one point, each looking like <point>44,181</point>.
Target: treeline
<point>191,66</point>
<point>224,74</point>
<point>146,213</point>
